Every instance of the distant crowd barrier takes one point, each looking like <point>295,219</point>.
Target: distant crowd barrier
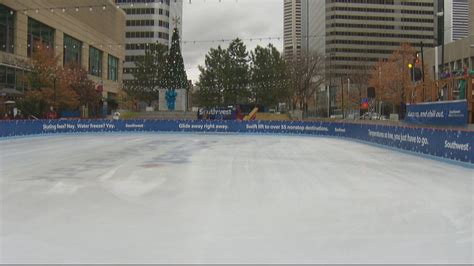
<point>449,144</point>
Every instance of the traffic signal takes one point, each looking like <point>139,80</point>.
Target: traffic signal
<point>415,68</point>
<point>417,59</point>
<point>364,105</point>
<point>418,74</point>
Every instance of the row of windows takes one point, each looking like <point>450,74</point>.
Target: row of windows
<point>349,67</point>
<point>361,26</point>
<point>377,18</point>
<point>6,29</point>
<point>418,28</point>
<point>140,34</point>
<point>406,3</point>
<point>362,9</point>
<point>139,11</point>
<point>137,46</point>
<point>419,20</point>
<point>354,59</point>
<point>374,43</point>
<point>359,51</point>
<point>383,2</point>
<point>145,11</point>
<point>418,12</point>
<point>147,22</point>
<point>147,34</point>
<point>142,1</point>
<point>376,2</point>
<point>384,35</point>
<point>13,78</point>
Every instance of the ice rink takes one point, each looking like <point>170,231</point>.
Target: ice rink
<point>149,198</point>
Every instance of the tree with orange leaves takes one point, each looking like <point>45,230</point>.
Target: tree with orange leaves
<point>50,86</point>
<point>392,79</point>
<point>64,88</point>
<point>76,78</point>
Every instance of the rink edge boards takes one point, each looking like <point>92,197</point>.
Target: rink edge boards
<point>447,145</point>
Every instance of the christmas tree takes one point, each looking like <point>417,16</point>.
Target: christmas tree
<point>175,76</point>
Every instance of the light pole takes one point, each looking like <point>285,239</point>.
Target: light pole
<point>348,91</point>
<point>330,84</point>
<point>54,87</point>
<point>54,77</point>
<point>440,16</point>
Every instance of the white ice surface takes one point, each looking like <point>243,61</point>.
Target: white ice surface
<point>240,199</point>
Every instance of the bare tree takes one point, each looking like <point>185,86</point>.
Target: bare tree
<point>306,76</point>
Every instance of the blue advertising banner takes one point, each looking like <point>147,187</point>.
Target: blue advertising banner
<point>217,114</point>
<point>450,144</point>
<point>452,113</point>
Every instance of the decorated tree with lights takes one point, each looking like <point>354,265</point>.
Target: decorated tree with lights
<point>175,74</point>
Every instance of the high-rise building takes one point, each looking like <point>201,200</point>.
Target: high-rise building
<point>455,19</point>
<point>292,35</point>
<point>471,19</point>
<point>148,22</point>
<point>360,33</point>
<point>453,56</point>
<point>88,33</point>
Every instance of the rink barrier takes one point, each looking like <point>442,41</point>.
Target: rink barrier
<point>449,144</point>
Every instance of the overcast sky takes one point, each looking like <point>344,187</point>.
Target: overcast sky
<point>229,19</point>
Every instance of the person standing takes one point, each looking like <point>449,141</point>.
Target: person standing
<point>52,114</point>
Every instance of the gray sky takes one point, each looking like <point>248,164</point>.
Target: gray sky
<point>211,20</point>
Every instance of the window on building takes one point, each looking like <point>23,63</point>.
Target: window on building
<point>113,68</point>
<point>7,20</point>
<point>13,78</point>
<point>72,50</point>
<point>39,34</point>
<point>95,62</point>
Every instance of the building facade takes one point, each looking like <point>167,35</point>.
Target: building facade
<point>292,24</point>
<point>90,33</point>
<point>455,19</point>
<point>360,33</point>
<point>454,56</point>
<point>355,34</point>
<point>148,22</point>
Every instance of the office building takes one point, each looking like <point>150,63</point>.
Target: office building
<point>292,32</point>
<point>453,56</point>
<point>455,18</point>
<point>148,22</point>
<point>87,32</point>
<point>357,34</point>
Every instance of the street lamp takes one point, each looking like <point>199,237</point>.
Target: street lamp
<point>441,15</point>
<point>54,77</point>
<point>348,91</point>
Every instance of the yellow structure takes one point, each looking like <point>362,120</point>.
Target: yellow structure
<point>252,115</point>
